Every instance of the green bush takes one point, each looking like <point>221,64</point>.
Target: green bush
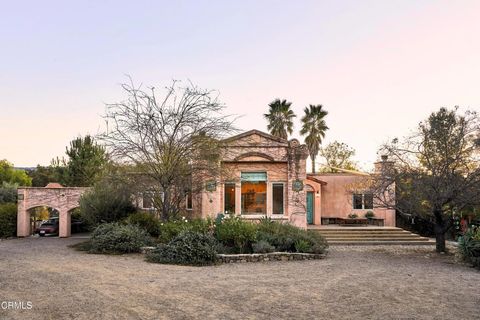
<point>469,245</point>
<point>146,221</point>
<point>288,238</point>
<point>369,214</point>
<point>262,246</point>
<point>236,233</point>
<point>106,202</point>
<point>8,192</point>
<point>188,248</point>
<point>303,246</point>
<point>8,220</point>
<point>170,229</point>
<point>118,238</point>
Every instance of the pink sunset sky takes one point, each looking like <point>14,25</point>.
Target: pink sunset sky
<point>378,67</point>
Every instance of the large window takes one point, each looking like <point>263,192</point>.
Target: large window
<point>189,201</point>
<point>254,193</point>
<point>277,194</point>
<point>229,198</point>
<point>147,200</point>
<point>363,201</point>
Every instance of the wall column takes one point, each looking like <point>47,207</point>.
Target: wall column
<point>65,224</point>
<point>238,198</point>
<point>23,216</point>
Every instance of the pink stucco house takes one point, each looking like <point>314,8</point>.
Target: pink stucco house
<point>265,176</point>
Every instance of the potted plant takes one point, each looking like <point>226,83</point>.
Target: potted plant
<point>369,215</point>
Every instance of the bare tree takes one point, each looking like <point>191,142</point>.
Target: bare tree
<point>168,139</point>
<point>436,172</point>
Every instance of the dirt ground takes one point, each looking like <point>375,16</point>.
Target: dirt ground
<point>371,283</point>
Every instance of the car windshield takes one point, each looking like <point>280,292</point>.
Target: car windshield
<point>50,222</point>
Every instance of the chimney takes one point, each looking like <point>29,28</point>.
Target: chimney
<point>384,166</point>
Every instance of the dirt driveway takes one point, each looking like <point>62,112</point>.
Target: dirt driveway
<point>350,284</point>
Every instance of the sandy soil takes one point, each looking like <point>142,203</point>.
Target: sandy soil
<point>371,283</point>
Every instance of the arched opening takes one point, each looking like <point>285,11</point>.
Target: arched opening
<point>44,220</point>
<point>77,224</point>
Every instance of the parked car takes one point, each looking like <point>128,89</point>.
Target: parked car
<point>50,226</point>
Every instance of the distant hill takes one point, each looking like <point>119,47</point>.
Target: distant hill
<point>25,168</point>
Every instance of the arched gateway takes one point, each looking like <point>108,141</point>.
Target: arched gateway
<point>55,196</point>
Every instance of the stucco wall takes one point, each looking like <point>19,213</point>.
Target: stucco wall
<point>337,200</point>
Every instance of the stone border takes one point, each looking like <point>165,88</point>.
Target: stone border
<point>274,256</point>
<point>259,257</point>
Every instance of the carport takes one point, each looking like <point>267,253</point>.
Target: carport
<point>54,195</point>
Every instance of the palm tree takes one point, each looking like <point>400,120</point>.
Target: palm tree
<point>314,128</point>
<point>280,118</point>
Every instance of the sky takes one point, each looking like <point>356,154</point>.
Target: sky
<point>378,67</point>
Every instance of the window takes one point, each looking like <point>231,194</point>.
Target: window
<point>229,198</point>
<point>147,200</point>
<point>368,201</point>
<point>277,194</point>
<point>363,201</point>
<point>189,200</point>
<point>254,192</point>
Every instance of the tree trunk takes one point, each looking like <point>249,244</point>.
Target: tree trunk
<point>439,231</point>
<point>313,164</point>
<point>165,204</point>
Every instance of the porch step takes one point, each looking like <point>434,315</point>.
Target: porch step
<point>369,236</point>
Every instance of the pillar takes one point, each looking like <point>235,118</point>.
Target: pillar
<point>23,216</point>
<point>65,224</point>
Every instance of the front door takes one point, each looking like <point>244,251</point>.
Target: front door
<point>310,207</point>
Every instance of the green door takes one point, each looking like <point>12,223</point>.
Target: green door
<point>310,207</point>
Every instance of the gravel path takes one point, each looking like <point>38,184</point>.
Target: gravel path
<point>351,283</point>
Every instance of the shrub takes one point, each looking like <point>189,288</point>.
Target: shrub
<point>288,238</point>
<point>469,245</point>
<point>8,220</point>
<point>262,246</point>
<point>369,214</point>
<point>146,221</point>
<point>118,238</point>
<point>303,246</point>
<point>188,248</point>
<point>353,215</point>
<point>170,229</point>
<point>8,192</point>
<point>236,233</point>
<point>106,202</point>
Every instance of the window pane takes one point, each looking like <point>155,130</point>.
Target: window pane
<point>254,197</point>
<point>229,198</point>
<point>254,176</point>
<point>277,198</point>
<point>147,201</point>
<point>357,201</point>
<point>189,200</point>
<point>368,201</point>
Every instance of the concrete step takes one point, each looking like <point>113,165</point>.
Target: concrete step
<point>375,238</point>
<point>370,236</point>
<point>406,234</point>
<point>376,242</point>
<point>378,239</point>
